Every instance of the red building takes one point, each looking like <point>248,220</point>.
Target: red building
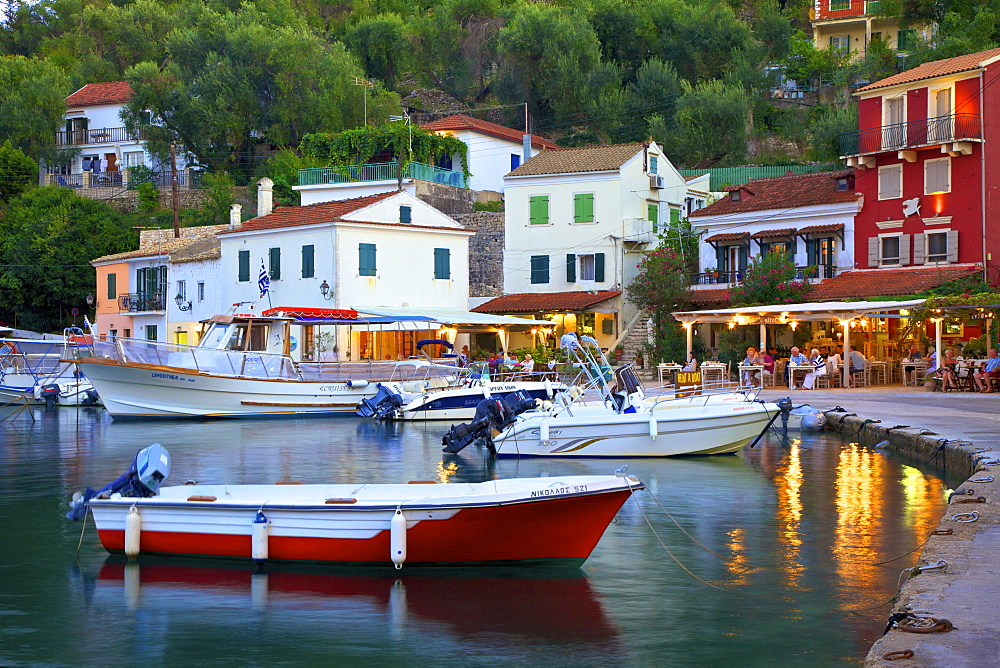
<point>927,159</point>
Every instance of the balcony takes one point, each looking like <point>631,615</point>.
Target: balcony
<point>136,302</point>
<point>915,134</point>
<point>809,273</point>
<point>98,136</point>
<point>380,171</point>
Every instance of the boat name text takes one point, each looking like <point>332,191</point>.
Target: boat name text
<point>558,490</point>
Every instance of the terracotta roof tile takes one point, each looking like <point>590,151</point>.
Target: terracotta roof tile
<point>572,160</point>
<point>709,297</point>
<point>767,234</point>
<point>817,229</point>
<point>935,68</point>
<point>863,283</point>
<point>728,236</point>
<point>162,242</point>
<point>108,92</point>
<point>533,302</point>
<point>324,212</point>
<point>463,122</point>
<point>785,192</point>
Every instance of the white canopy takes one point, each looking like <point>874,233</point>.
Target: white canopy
<point>784,313</point>
<point>445,316</point>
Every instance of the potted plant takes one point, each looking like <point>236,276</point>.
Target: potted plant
<point>638,360</point>
<point>619,351</point>
<point>712,272</point>
<point>812,271</point>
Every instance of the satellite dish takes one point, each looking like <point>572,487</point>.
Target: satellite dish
<point>911,207</point>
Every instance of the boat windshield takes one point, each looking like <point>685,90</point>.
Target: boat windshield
<point>234,337</point>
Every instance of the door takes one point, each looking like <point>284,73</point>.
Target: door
<point>893,132</point>
<point>941,123</point>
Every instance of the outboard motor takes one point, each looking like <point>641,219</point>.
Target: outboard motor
<point>383,405</point>
<point>91,398</point>
<point>150,467</point>
<point>785,405</point>
<point>50,393</point>
<point>491,414</point>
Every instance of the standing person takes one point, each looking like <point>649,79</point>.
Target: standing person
<point>494,365</point>
<point>819,364</point>
<point>796,359</point>
<point>990,370</point>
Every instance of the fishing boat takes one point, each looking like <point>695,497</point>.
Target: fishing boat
<point>241,367</point>
<point>37,371</point>
<point>621,423</point>
<point>529,521</point>
<point>415,402</point>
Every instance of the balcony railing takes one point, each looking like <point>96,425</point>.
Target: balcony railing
<point>815,272</point>
<point>98,136</point>
<point>923,132</point>
<point>380,171</point>
<point>141,301</point>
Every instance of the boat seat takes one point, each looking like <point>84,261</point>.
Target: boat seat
<point>437,382</point>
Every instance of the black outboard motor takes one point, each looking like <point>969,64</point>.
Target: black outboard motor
<point>491,414</point>
<point>785,404</point>
<point>91,398</point>
<point>149,469</point>
<point>383,405</point>
<point>50,393</point>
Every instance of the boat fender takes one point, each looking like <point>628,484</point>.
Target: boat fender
<point>575,392</point>
<point>548,388</point>
<point>546,405</point>
<point>133,532</point>
<point>261,530</point>
<point>486,390</point>
<point>543,432</point>
<point>397,538</point>
<point>653,426</point>
<point>357,383</point>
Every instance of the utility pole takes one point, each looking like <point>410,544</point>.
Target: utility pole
<point>173,189</point>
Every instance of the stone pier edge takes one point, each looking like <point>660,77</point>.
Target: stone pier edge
<point>976,636</point>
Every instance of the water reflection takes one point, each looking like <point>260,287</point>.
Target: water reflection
<point>788,484</point>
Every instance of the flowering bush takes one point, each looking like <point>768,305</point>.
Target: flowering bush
<point>662,281</point>
<point>769,279</point>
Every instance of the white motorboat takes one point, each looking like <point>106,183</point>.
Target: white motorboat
<point>241,367</point>
<point>434,401</point>
<point>623,423</point>
<point>537,521</point>
<point>37,371</point>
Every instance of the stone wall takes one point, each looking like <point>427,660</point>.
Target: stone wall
<point>448,199</point>
<point>485,252</point>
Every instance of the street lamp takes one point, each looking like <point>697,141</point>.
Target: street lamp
<point>324,289</point>
<point>90,300</point>
<point>182,304</point>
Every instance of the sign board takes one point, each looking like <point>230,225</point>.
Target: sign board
<point>687,383</point>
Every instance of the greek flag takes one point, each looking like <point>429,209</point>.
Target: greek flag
<point>263,281</point>
<point>87,325</point>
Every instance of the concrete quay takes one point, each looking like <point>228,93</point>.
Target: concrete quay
<point>960,431</point>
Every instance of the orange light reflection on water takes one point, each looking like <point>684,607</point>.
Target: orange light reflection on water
<point>860,502</point>
<point>788,484</point>
<point>920,494</point>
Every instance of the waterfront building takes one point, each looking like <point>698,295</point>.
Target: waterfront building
<point>849,27</point>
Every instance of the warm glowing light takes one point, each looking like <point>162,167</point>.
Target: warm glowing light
<point>732,325</point>
<point>794,324</point>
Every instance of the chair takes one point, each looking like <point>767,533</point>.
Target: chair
<point>860,377</point>
<point>769,379</point>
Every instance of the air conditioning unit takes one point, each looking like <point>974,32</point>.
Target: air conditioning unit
<point>656,182</point>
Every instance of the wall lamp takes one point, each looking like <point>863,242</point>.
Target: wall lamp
<point>182,304</point>
<point>324,289</point>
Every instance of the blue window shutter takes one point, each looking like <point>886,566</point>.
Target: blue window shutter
<point>599,267</point>
<point>515,161</point>
<point>244,257</point>
<point>743,258</point>
<point>653,164</point>
<point>274,256</point>
<point>570,268</point>
<point>366,260</point>
<point>404,213</point>
<point>308,261</point>
<point>539,268</point>
<point>442,263</point>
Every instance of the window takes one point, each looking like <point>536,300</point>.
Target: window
<point>308,261</point>
<point>937,176</point>
<point>133,159</point>
<point>151,284</point>
<point>445,162</point>
<point>88,163</point>
<point>843,184</point>
<point>937,247</point>
<point>515,161</point>
<point>442,263</point>
<point>127,333</point>
<point>244,258</point>
<point>274,259</point>
<point>653,214</point>
<point>653,164</point>
<point>588,267</point>
<point>906,40</point>
<point>539,210</point>
<point>113,333</point>
<point>893,123</point>
<point>151,332</point>
<point>675,217</point>
<point>539,269</point>
<point>366,259</point>
<point>405,214</point>
<point>734,196</point>
<point>112,286</point>
<point>890,250</point>
<point>839,5</point>
<point>821,252</point>
<point>201,291</point>
<point>583,208</point>
<point>840,44</point>
<point>182,289</point>
<point>145,118</point>
<point>890,182</point>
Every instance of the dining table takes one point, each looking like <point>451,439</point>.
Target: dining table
<point>754,372</point>
<point>878,369</point>
<point>712,373</point>
<point>908,367</point>
<point>668,370</point>
<point>797,369</point>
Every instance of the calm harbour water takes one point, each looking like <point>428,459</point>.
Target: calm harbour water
<point>797,530</point>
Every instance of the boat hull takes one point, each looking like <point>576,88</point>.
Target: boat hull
<point>459,404</point>
<point>546,522</point>
<point>145,391</point>
<point>702,430</point>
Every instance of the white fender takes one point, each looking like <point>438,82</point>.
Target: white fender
<point>357,383</point>
<point>133,532</point>
<point>543,432</point>
<point>261,530</point>
<point>397,538</point>
<point>653,426</point>
<point>548,387</point>
<point>486,389</point>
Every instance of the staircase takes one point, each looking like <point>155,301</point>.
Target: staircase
<point>633,344</point>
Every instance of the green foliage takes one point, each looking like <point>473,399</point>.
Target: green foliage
<point>18,172</point>
<point>32,105</point>
<point>359,145</point>
<point>710,125</point>
<point>829,123</point>
<point>661,281</point>
<point>495,206</point>
<point>218,188</point>
<point>149,197</point>
<point>378,43</point>
<point>769,279</point>
<point>48,236</point>
<point>283,169</point>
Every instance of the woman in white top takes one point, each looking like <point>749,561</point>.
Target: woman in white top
<point>692,364</point>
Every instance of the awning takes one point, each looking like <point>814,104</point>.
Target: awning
<point>784,313</point>
<point>443,316</point>
<point>549,302</point>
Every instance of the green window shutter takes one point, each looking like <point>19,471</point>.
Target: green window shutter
<point>112,286</point>
<point>308,261</point>
<point>570,268</point>
<point>675,217</point>
<point>366,259</point>
<point>539,210</point>
<point>743,258</point>
<point>404,213</point>
<point>274,259</point>
<point>442,263</point>
<point>244,256</point>
<point>653,213</point>
<point>721,258</point>
<point>539,268</point>
<point>69,129</point>
<point>653,164</point>
<point>599,267</point>
<point>812,252</point>
<point>583,208</point>
<point>906,39</point>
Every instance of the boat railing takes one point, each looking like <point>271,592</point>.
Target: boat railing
<point>695,392</point>
<point>38,359</point>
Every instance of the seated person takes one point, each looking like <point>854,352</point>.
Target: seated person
<point>990,370</point>
<point>856,360</point>
<point>752,359</point>
<point>819,364</point>
<point>913,354</point>
<point>528,366</point>
<point>796,359</point>
<point>692,364</point>
<point>834,361</point>
<point>769,359</point>
<point>946,371</point>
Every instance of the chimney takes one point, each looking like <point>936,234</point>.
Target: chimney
<point>526,148</point>
<point>235,216</point>
<point>264,200</point>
